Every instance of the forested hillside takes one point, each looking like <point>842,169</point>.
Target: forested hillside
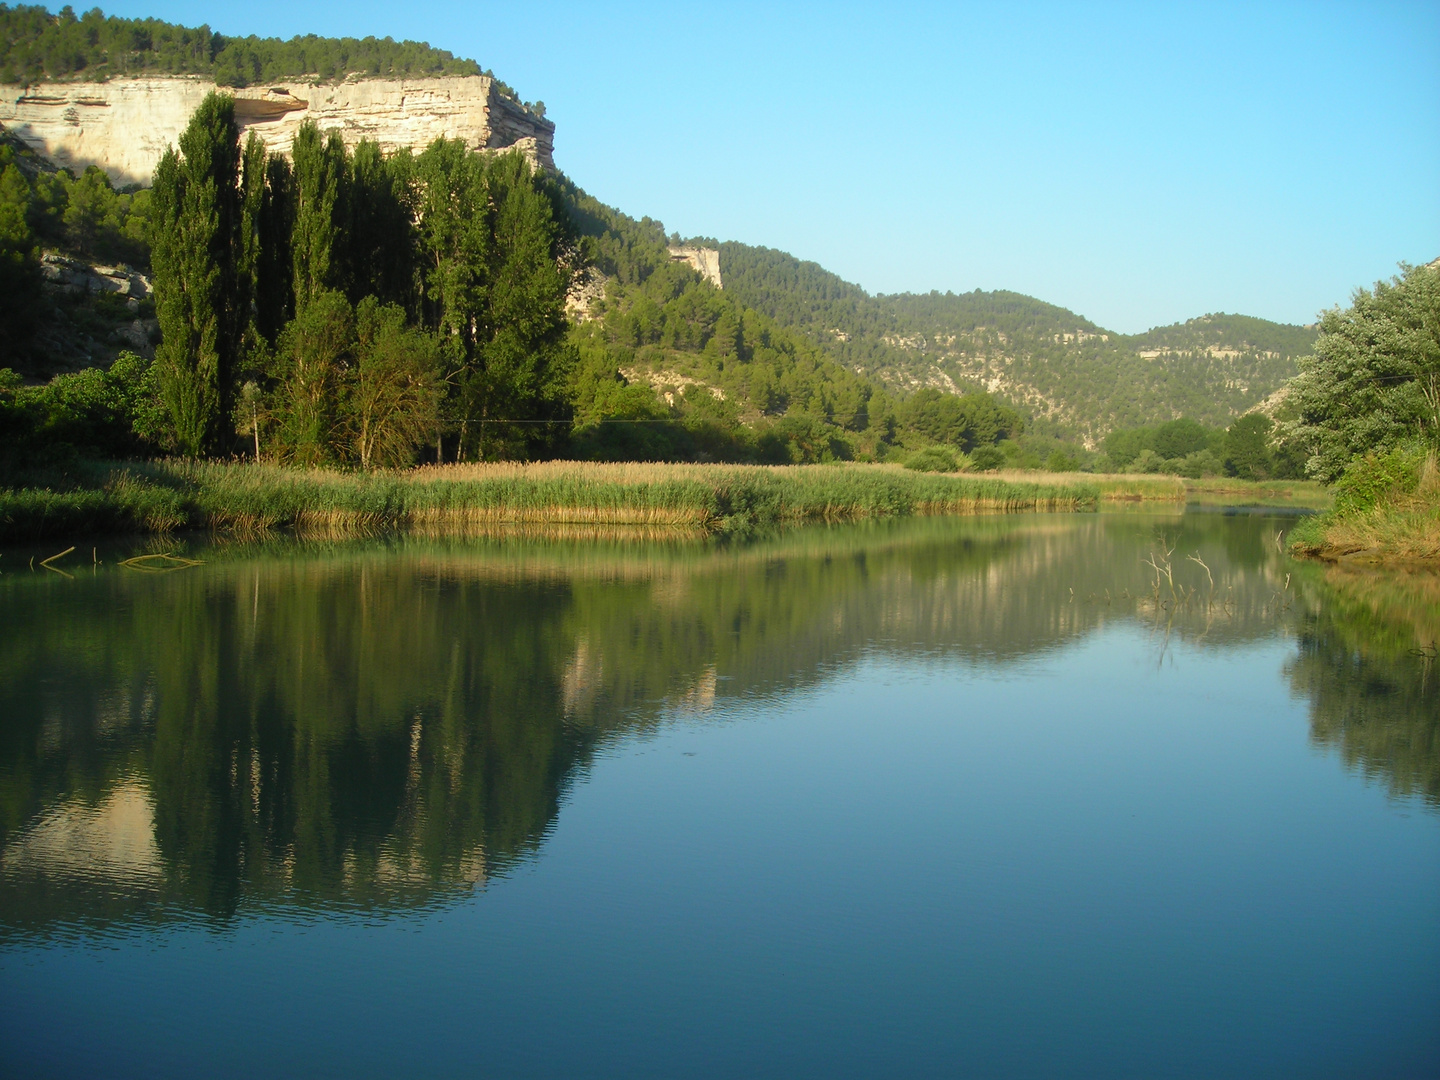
<point>669,366</point>
<point>1073,377</point>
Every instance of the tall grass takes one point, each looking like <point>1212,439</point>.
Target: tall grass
<point>247,498</point>
<point>1398,524</point>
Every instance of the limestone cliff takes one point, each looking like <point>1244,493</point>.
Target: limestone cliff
<point>705,261</point>
<point>125,125</point>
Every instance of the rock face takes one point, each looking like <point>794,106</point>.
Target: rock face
<point>706,262</point>
<point>126,125</point>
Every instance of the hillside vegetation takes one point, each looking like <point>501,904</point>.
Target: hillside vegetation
<point>1073,377</point>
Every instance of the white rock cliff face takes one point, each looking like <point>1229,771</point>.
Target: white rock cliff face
<point>125,125</point>
<point>705,261</point>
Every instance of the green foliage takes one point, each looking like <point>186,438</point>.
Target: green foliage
<point>1374,381</point>
<point>49,208</point>
<point>201,298</point>
<point>313,354</point>
<point>36,46</point>
<point>987,459</point>
<point>1247,447</point>
<point>1176,438</point>
<point>317,232</point>
<point>353,386</point>
<point>1060,461</point>
<point>967,422</point>
<point>1372,477</point>
<point>304,284</point>
<point>43,206</point>
<point>790,399</point>
<point>1182,447</point>
<point>933,459</point>
<point>97,412</point>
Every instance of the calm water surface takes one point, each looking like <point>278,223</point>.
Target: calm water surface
<point>986,797</point>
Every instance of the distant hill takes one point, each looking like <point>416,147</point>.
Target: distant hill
<point>1072,376</point>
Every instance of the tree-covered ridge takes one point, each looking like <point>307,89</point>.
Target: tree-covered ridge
<point>1242,333</point>
<point>1075,378</point>
<point>672,367</point>
<point>36,46</point>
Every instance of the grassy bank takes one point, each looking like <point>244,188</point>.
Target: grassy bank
<point>245,498</point>
<point>1386,510</point>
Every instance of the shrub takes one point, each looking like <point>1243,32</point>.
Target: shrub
<point>1369,478</point>
<point>987,458</point>
<point>933,459</point>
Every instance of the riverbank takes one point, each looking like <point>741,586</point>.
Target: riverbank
<point>161,497</point>
<point>1387,510</point>
<point>1405,531</point>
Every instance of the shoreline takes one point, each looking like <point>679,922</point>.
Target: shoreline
<point>241,498</point>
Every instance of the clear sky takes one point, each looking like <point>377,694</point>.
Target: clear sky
<point>1140,164</point>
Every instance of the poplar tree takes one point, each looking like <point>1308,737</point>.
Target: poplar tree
<point>195,256</point>
<point>275,276</point>
<point>381,248</point>
<point>252,207</point>
<point>522,358</point>
<point>316,237</point>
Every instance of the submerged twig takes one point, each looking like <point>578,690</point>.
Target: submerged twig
<point>59,555</point>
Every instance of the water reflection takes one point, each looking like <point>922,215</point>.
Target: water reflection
<point>381,725</point>
<point>1367,662</point>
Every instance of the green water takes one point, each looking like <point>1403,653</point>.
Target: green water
<point>990,796</point>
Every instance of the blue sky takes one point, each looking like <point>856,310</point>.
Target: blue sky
<point>1140,164</point>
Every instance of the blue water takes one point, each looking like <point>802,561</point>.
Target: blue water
<point>1117,854</point>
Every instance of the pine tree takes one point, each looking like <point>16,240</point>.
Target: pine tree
<point>195,256</point>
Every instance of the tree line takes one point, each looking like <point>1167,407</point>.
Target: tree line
<point>36,46</point>
<point>345,307</point>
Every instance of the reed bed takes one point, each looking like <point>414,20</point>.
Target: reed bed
<point>253,499</point>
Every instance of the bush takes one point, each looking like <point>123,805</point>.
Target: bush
<point>1369,478</point>
<point>1059,461</point>
<point>987,458</point>
<point>1195,465</point>
<point>933,459</point>
<point>1147,461</point>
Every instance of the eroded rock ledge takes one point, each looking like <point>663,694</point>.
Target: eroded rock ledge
<point>125,125</point>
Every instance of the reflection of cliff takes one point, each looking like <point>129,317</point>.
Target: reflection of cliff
<point>1368,664</point>
<point>382,723</point>
<point>125,125</point>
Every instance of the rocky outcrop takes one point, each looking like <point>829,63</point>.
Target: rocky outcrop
<point>705,261</point>
<point>125,125</point>
<point>75,277</point>
<point>588,287</point>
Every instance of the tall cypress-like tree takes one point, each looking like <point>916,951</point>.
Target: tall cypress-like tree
<point>317,235</point>
<point>195,257</point>
<point>252,208</point>
<point>381,245</point>
<point>522,357</point>
<point>275,275</point>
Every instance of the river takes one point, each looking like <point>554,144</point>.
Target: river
<point>1122,794</point>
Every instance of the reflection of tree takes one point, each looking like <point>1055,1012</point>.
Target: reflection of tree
<point>1367,662</point>
<point>379,723</point>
